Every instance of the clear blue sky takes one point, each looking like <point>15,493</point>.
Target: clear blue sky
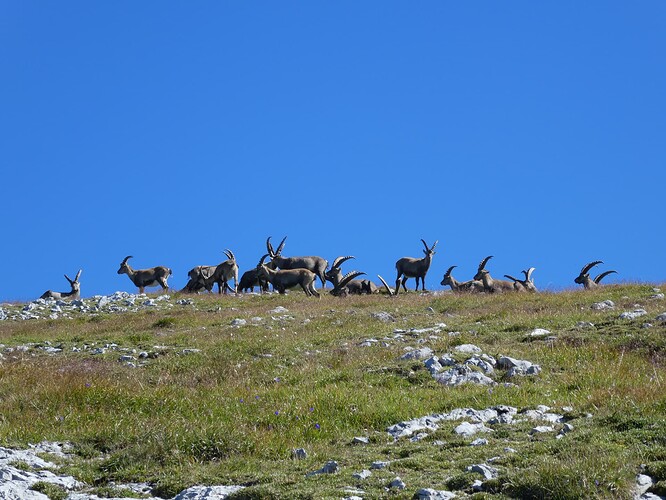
<point>532,131</point>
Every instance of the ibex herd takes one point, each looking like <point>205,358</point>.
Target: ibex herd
<point>289,272</point>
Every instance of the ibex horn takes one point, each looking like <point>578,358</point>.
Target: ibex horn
<point>483,263</point>
<point>388,288</point>
<point>587,267</point>
<point>281,246</point>
<point>269,247</point>
<point>341,260</point>
<point>448,271</point>
<point>230,254</point>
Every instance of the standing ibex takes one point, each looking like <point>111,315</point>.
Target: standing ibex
<point>142,278</point>
<point>353,287</point>
<point>524,285</point>
<point>288,278</point>
<point>223,274</point>
<point>489,284</point>
<point>585,279</point>
<point>250,279</point>
<point>74,293</point>
<point>457,286</point>
<point>315,264</point>
<point>409,267</point>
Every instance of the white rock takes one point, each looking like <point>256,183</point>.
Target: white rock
<point>542,429</point>
<point>479,442</point>
<point>467,349</point>
<point>486,471</point>
<point>422,353</point>
<point>661,317</point>
<point>239,322</point>
<point>364,474</point>
<point>379,465</point>
<point>637,313</point>
<point>207,492</point>
<point>539,332</point>
<point>466,429</point>
<point>279,310</point>
<point>431,494</point>
<point>600,306</point>
<point>397,483</point>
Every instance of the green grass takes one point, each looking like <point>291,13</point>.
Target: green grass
<point>233,412</point>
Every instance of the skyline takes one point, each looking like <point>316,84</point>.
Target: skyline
<point>534,133</point>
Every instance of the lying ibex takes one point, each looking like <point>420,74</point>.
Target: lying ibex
<point>142,278</point>
<point>315,264</point>
<point>223,274</point>
<point>354,287</point>
<point>197,276</point>
<point>74,293</point>
<point>489,284</point>
<point>585,279</point>
<point>524,285</point>
<point>458,286</point>
<point>409,267</point>
<point>288,278</point>
<point>342,287</point>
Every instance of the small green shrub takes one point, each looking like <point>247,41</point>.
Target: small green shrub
<point>53,491</point>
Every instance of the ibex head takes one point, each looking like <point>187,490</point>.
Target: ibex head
<point>429,251</point>
<point>447,276</point>
<point>482,268</point>
<point>124,267</point>
<point>335,273</point>
<point>76,286</point>
<point>581,278</point>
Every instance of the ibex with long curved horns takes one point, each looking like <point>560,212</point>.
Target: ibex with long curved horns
<point>524,285</point>
<point>409,267</point>
<point>315,264</point>
<point>288,278</point>
<point>353,287</point>
<point>342,287</point>
<point>460,286</point>
<point>74,293</point>
<point>489,284</point>
<point>584,277</point>
<point>223,274</point>
<point>142,278</point>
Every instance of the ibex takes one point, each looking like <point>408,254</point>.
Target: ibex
<point>354,287</point>
<point>74,293</point>
<point>288,278</point>
<point>585,279</point>
<point>315,264</point>
<point>458,286</point>
<point>197,277</point>
<point>223,274</point>
<point>489,284</point>
<point>409,267</point>
<point>250,279</point>
<point>342,287</point>
<point>524,285</point>
<point>142,278</point>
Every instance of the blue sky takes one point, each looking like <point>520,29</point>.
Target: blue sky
<point>532,131</point>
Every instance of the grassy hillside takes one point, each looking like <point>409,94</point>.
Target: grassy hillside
<point>183,397</point>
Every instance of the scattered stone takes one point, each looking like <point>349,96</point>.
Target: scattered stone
<point>539,332</point>
<point>398,484</point>
<point>422,353</point>
<point>383,316</point>
<point>486,471</point>
<point>643,484</point>
<point>185,302</point>
<point>364,474</point>
<point>657,296</point>
<point>207,492</point>
<point>661,317</point>
<point>584,324</point>
<point>430,494</point>
<point>299,453</point>
<point>360,440</point>
<point>463,374</point>
<point>637,313</point>
<point>330,467</point>
<point>467,430</point>
<point>542,429</point>
<point>467,349</point>
<point>600,306</point>
<point>433,365</point>
<point>379,465</point>
<point>479,442</point>
<point>239,322</point>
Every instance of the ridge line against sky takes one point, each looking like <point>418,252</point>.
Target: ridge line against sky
<point>170,131</point>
